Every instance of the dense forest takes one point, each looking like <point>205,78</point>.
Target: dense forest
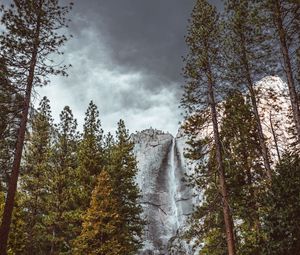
<point>250,198</point>
<point>64,191</point>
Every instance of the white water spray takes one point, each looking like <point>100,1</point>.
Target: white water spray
<point>173,188</point>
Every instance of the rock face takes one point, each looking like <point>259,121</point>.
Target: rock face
<point>166,199</point>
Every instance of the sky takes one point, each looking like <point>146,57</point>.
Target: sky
<point>126,56</point>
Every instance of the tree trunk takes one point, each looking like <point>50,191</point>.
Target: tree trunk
<point>223,188</point>
<point>275,138</point>
<point>250,86</point>
<point>261,137</point>
<point>12,186</point>
<point>287,64</point>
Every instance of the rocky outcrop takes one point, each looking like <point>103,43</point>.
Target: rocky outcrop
<point>166,199</point>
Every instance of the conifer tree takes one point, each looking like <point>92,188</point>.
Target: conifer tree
<point>244,176</point>
<point>101,223</point>
<point>17,239</point>
<point>284,18</point>
<point>10,101</point>
<point>201,73</point>
<point>109,143</point>
<point>123,169</point>
<point>245,173</point>
<point>63,211</point>
<point>90,153</point>
<point>37,169</point>
<point>246,53</point>
<point>281,220</point>
<point>30,37</point>
<point>5,99</point>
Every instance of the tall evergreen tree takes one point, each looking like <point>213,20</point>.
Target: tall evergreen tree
<point>37,169</point>
<point>17,240</point>
<point>244,176</point>
<point>281,220</point>
<point>100,233</point>
<point>90,153</point>
<point>63,211</point>
<point>246,53</point>
<point>109,143</point>
<point>201,73</point>
<point>10,101</point>
<point>284,17</point>
<point>30,37</point>
<point>123,169</point>
<point>245,173</point>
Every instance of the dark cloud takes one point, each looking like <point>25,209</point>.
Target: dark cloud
<point>142,35</point>
<point>126,56</point>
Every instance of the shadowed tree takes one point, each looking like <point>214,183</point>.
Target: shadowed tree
<point>90,153</point>
<point>122,167</point>
<point>37,169</point>
<point>246,54</point>
<point>201,73</point>
<point>284,19</point>
<point>31,35</point>
<point>10,108</point>
<point>281,220</point>
<point>63,190</point>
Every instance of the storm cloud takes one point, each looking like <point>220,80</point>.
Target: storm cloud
<point>127,58</point>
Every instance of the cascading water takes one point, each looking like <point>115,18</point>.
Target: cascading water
<point>166,199</point>
<point>173,188</point>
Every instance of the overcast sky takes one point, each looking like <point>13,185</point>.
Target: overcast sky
<point>126,57</point>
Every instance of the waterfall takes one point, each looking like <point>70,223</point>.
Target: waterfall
<point>173,188</point>
<point>166,199</point>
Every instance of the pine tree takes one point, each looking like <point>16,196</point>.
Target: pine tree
<point>37,169</point>
<point>17,239</point>
<point>10,101</point>
<point>244,176</point>
<point>101,223</point>
<point>123,169</point>
<point>281,221</point>
<point>284,18</point>
<point>246,53</point>
<point>206,227</point>
<point>90,153</point>
<point>109,143</point>
<point>30,37</point>
<point>63,200</point>
<point>245,173</point>
<point>201,73</point>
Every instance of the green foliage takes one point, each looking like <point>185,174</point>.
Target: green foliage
<point>90,154</point>
<point>101,223</point>
<point>31,36</point>
<point>60,173</point>
<point>112,224</point>
<point>203,59</point>
<point>10,106</point>
<point>245,177</point>
<point>122,168</point>
<point>245,173</point>
<point>37,169</point>
<point>63,211</point>
<point>281,222</point>
<point>247,46</point>
<point>17,238</point>
<point>202,91</point>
